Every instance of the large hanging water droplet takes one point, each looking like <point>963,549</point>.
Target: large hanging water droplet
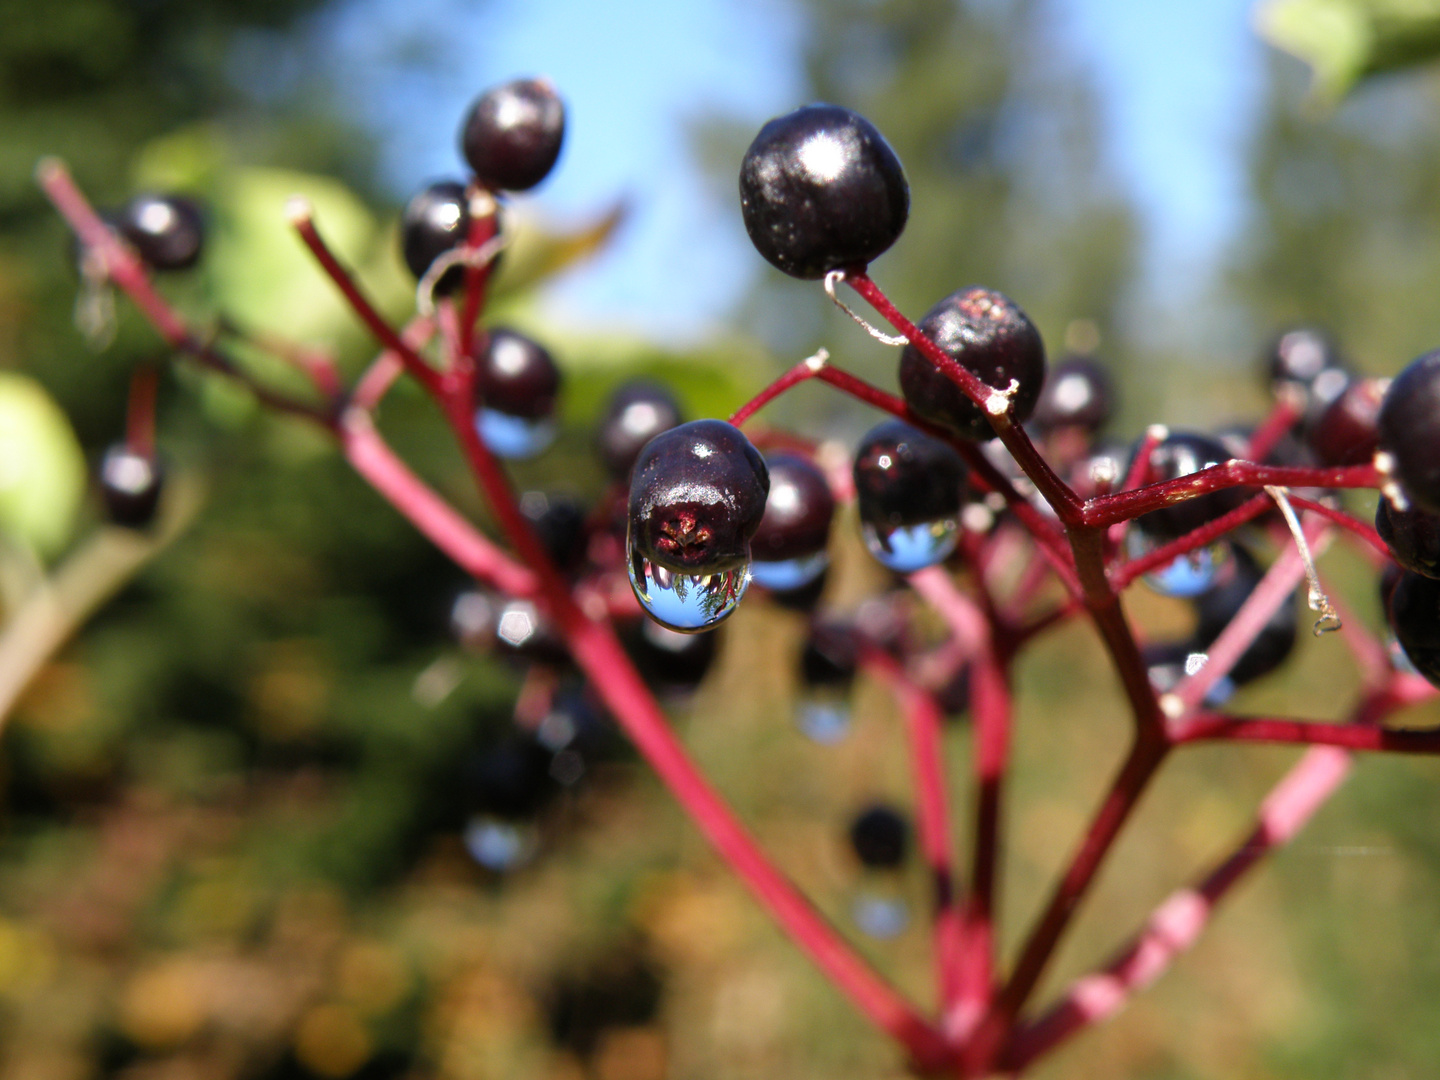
<point>686,602</point>
<point>791,573</point>
<point>500,845</point>
<point>1187,575</point>
<point>907,548</point>
<point>513,437</point>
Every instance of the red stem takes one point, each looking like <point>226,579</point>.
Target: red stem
<point>806,369</point>
<point>1274,427</point>
<point>477,276</point>
<point>1345,521</point>
<point>140,411</point>
<point>1122,576</point>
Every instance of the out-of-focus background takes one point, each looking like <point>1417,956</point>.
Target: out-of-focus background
<point>233,840</point>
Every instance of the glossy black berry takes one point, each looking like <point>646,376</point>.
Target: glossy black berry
<point>1217,606</point>
<point>1410,430</point>
<point>986,333</point>
<point>511,778</point>
<point>880,837</point>
<point>1412,535</point>
<point>672,663</point>
<point>697,494</point>
<point>830,656</point>
<point>1308,360</point>
<point>1347,432</point>
<point>798,510</point>
<point>905,477</point>
<point>821,190</point>
<point>1414,615</point>
<point>517,376</point>
<point>559,524</point>
<point>512,134</point>
<point>436,220</point>
<point>130,485</point>
<point>1078,392</point>
<point>636,413</point>
<point>1179,454</point>
<point>166,231</point>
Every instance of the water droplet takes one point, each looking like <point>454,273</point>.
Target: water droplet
<point>513,437</point>
<point>1187,575</point>
<point>826,720</point>
<point>880,916</point>
<point>500,845</point>
<point>791,573</point>
<point>686,602</point>
<point>907,548</point>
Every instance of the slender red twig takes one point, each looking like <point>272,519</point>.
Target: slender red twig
<point>380,376</point>
<point>1274,427</point>
<point>140,411</point>
<point>1346,521</point>
<point>805,369</point>
<point>1122,576</point>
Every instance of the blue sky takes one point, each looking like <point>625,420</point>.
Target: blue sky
<point>1179,83</point>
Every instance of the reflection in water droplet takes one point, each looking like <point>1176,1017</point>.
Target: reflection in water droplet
<point>513,437</point>
<point>500,845</point>
<point>880,916</point>
<point>686,602</point>
<point>790,574</point>
<point>1188,575</point>
<point>907,548</point>
<point>825,720</point>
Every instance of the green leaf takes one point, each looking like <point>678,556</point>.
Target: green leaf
<point>42,468</point>
<point>535,254</point>
<point>1345,41</point>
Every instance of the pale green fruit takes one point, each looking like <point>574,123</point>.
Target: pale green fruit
<point>42,468</point>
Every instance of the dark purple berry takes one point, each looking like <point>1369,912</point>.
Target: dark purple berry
<point>830,656</point>
<point>559,524</point>
<point>1218,605</point>
<point>1412,535</point>
<point>130,484</point>
<point>880,837</point>
<point>637,412</point>
<point>798,510</point>
<point>516,376</point>
<point>1078,392</point>
<point>1308,360</point>
<point>697,494</point>
<point>510,779</point>
<point>804,598</point>
<point>669,661</point>
<point>905,477</point>
<point>821,190</point>
<point>1347,432</point>
<point>986,333</point>
<point>1410,430</point>
<point>436,220</point>
<point>512,134</point>
<point>1179,454</point>
<point>1414,615</point>
<point>166,231</point>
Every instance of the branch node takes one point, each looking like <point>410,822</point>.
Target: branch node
<point>997,403</point>
<point>819,361</point>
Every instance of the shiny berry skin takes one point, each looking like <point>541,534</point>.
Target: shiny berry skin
<point>517,376</point>
<point>1180,454</point>
<point>985,332</point>
<point>821,190</point>
<point>637,412</point>
<point>1346,433</point>
<point>669,661</point>
<point>697,494</point>
<point>1218,605</point>
<point>830,656</point>
<point>1410,430</point>
<point>1412,535</point>
<point>559,524</point>
<point>436,219</point>
<point>130,484</point>
<point>1301,356</point>
<point>166,231</point>
<point>512,134</point>
<point>880,837</point>
<point>510,779</point>
<point>1078,392</point>
<point>797,511</point>
<point>1414,614</point>
<point>905,477</point>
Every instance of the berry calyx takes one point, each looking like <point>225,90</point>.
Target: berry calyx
<point>821,190</point>
<point>986,333</point>
<point>436,220</point>
<point>880,837</point>
<point>1179,454</point>
<point>697,494</point>
<point>796,523</point>
<point>636,413</point>
<point>166,231</point>
<point>130,485</point>
<point>1410,430</point>
<point>512,134</point>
